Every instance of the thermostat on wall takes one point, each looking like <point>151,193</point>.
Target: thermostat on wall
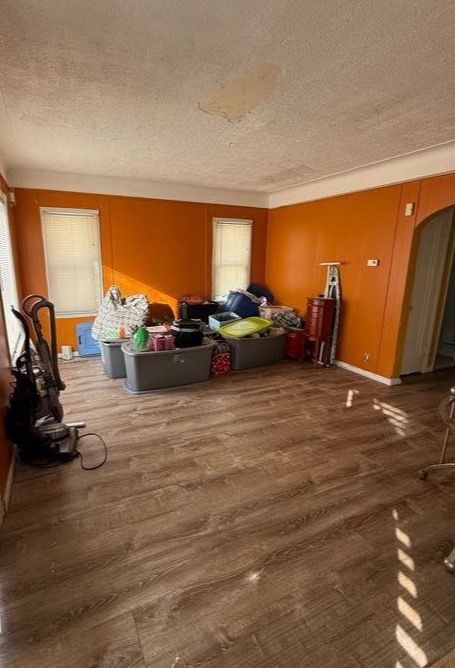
<point>373,263</point>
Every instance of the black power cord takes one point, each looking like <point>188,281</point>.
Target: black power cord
<point>64,458</point>
<point>79,453</point>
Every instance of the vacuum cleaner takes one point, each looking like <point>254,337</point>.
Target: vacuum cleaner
<point>34,418</point>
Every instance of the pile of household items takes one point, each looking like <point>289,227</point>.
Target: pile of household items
<point>209,338</point>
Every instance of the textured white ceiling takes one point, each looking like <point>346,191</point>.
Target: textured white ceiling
<point>244,94</point>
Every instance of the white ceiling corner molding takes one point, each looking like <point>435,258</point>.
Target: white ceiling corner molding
<point>107,185</point>
<point>419,164</point>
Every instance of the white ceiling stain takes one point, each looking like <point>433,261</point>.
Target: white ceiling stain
<point>238,97</point>
<point>300,172</point>
<point>116,88</point>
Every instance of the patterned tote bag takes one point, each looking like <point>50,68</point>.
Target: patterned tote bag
<point>119,314</point>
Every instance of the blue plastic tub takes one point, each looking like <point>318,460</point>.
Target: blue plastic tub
<point>218,319</point>
<point>86,345</point>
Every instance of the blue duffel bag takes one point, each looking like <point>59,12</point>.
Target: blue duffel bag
<point>242,304</point>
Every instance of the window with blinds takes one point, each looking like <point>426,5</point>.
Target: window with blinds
<point>8,284</point>
<point>73,262</point>
<point>231,255</point>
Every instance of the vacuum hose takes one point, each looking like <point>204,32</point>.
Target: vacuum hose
<point>31,306</point>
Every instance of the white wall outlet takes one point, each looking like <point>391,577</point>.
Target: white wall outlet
<point>409,209</point>
<point>367,357</point>
<point>374,262</point>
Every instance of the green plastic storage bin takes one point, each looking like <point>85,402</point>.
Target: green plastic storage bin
<point>245,327</point>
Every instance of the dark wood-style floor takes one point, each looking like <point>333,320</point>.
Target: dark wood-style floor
<point>272,518</point>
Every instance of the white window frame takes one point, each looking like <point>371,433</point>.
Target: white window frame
<point>72,212</point>
<point>229,221</point>
<point>14,347</point>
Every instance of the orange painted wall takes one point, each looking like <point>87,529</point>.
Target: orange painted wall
<point>159,247</point>
<point>352,228</point>
<point>6,451</point>
<point>164,249</point>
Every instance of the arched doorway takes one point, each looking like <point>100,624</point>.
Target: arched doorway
<point>429,340</point>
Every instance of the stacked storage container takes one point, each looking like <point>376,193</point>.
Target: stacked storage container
<point>149,370</point>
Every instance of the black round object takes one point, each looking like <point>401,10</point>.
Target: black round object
<point>187,333</point>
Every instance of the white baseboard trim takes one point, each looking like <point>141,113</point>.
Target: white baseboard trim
<point>75,354</point>
<point>368,374</point>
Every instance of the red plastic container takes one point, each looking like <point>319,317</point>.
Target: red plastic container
<point>295,344</point>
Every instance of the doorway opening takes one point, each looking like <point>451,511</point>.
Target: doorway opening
<point>445,353</point>
<point>429,341</point>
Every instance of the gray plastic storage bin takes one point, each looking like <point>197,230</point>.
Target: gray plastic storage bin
<point>167,368</point>
<point>251,352</point>
<point>112,356</point>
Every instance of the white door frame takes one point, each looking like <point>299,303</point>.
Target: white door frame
<point>443,297</point>
<point>428,287</point>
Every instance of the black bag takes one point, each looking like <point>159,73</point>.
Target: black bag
<point>198,311</point>
<point>187,333</point>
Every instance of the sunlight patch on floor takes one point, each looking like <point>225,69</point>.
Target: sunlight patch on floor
<point>411,647</point>
<point>397,418</point>
<point>405,559</point>
<point>407,640</point>
<point>407,584</point>
<point>408,611</point>
<point>350,397</point>
<point>402,537</point>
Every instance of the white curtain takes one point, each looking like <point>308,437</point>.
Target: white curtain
<point>8,283</point>
<point>231,255</point>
